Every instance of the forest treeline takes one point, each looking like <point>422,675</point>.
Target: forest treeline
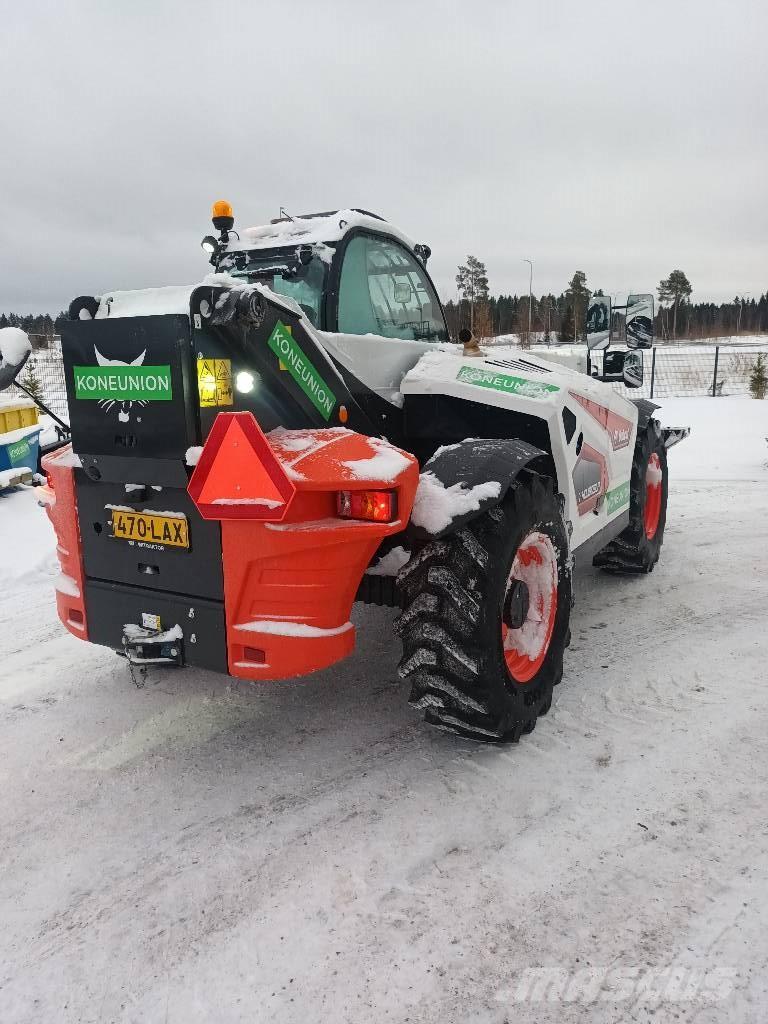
<point>508,314</point>
<point>551,315</point>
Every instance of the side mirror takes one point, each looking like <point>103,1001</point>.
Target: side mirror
<point>613,366</point>
<point>622,368</point>
<point>14,352</point>
<point>470,343</point>
<point>632,372</point>
<point>639,321</point>
<point>598,323</point>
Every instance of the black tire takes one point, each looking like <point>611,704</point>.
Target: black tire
<point>453,592</point>
<point>633,551</point>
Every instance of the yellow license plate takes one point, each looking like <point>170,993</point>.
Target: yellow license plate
<point>170,531</point>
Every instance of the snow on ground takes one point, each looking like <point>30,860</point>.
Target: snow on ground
<point>730,441</point>
<point>27,546</point>
<point>206,850</point>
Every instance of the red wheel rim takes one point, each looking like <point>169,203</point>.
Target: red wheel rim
<point>653,478</point>
<point>526,648</point>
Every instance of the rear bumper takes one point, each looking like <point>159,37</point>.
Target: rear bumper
<point>110,606</point>
<point>289,585</point>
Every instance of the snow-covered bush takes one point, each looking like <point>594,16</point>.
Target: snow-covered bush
<point>758,377</point>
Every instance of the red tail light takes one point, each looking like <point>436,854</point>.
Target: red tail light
<point>375,506</point>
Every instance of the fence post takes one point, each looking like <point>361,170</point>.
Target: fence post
<point>653,368</point>
<point>714,376</point>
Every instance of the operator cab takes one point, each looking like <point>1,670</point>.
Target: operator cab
<point>349,270</point>
<point>362,284</point>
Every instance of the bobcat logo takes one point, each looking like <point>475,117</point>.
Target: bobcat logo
<point>124,410</point>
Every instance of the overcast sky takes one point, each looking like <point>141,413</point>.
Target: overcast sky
<point>624,139</point>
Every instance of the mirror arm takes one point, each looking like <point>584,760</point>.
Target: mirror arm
<point>42,406</point>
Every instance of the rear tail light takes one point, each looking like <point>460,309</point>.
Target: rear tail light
<point>374,506</point>
<point>254,655</point>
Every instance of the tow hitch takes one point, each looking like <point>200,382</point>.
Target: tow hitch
<point>147,647</point>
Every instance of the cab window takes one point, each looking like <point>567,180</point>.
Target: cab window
<point>384,290</point>
<point>306,287</point>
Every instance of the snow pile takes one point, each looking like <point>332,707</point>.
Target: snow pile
<point>292,441</point>
<point>130,488</point>
<point>27,542</point>
<point>14,345</point>
<point>193,454</point>
<point>12,401</point>
<point>436,505</point>
<point>174,299</point>
<point>11,477</point>
<point>134,632</point>
<point>330,227</point>
<point>292,446</point>
<point>318,525</point>
<point>145,302</point>
<point>66,585</point>
<point>391,563</point>
<point>386,465</point>
<point>284,628</point>
<point>264,502</point>
<point>12,436</point>
<point>66,457</point>
<point>146,511</point>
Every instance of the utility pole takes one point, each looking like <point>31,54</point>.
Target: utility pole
<point>530,297</point>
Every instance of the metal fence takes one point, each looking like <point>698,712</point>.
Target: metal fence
<point>43,375</point>
<point>713,372</point>
<point>668,373</point>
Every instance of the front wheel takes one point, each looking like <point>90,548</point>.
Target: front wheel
<point>485,617</point>
<point>637,549</point>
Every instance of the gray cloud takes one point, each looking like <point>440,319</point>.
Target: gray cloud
<point>624,139</point>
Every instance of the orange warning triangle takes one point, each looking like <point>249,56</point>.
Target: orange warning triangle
<point>238,475</point>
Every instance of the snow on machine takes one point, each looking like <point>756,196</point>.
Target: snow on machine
<point>252,454</point>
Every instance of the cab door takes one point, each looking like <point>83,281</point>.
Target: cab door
<point>386,313</point>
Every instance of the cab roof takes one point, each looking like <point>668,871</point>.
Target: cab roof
<point>313,229</point>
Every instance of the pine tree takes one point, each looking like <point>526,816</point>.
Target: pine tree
<point>472,282</point>
<point>758,377</point>
<point>578,297</point>
<point>675,288</point>
<point>32,382</point>
<point>566,325</point>
<point>546,307</point>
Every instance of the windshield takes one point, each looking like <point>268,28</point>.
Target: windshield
<point>306,287</point>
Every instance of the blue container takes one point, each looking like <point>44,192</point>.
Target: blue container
<point>19,449</point>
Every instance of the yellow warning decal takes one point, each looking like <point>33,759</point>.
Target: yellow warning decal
<point>214,382</point>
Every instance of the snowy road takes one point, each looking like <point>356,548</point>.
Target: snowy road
<point>200,850</point>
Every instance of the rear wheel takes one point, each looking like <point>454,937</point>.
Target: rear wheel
<point>485,617</point>
<point>637,549</point>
